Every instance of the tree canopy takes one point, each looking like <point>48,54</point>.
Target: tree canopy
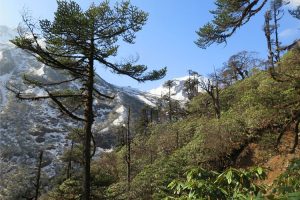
<point>229,16</point>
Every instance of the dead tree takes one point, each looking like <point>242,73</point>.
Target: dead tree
<point>128,153</point>
<point>211,87</point>
<point>69,167</point>
<point>274,45</point>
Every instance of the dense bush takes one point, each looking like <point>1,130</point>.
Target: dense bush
<point>195,153</point>
<point>230,184</point>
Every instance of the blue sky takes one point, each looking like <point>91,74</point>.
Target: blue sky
<point>168,37</point>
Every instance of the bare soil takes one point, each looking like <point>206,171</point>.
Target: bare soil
<point>274,161</point>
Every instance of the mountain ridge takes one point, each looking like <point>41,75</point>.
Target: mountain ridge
<point>27,127</point>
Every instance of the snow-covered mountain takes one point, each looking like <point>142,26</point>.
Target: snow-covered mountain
<point>28,127</point>
<point>177,90</point>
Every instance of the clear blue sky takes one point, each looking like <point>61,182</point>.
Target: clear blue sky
<point>168,37</point>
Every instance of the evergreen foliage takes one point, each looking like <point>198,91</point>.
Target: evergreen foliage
<point>72,44</point>
<point>251,111</point>
<point>228,17</point>
<point>192,154</point>
<point>296,12</point>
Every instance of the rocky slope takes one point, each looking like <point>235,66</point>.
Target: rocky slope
<point>28,127</point>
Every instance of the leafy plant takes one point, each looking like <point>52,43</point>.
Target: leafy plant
<point>289,181</point>
<point>230,184</point>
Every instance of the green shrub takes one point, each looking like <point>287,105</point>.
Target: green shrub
<point>289,181</point>
<point>230,184</point>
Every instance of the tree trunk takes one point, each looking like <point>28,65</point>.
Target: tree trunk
<point>69,168</point>
<point>128,157</point>
<point>276,25</point>
<point>151,115</point>
<point>296,132</point>
<point>241,73</point>
<point>38,177</point>
<point>124,133</point>
<point>267,31</point>
<point>177,139</point>
<point>216,101</point>
<point>217,107</point>
<point>89,120</point>
<point>279,137</point>
<point>170,105</point>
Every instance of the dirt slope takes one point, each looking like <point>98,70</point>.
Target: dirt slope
<point>274,161</point>
<point>278,164</point>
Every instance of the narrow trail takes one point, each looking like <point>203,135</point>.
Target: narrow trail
<point>278,164</point>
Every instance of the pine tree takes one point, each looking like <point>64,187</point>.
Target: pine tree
<point>296,12</point>
<point>72,44</point>
<point>228,17</point>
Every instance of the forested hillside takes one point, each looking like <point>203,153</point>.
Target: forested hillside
<point>221,157</point>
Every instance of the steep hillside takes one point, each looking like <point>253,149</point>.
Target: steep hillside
<point>254,112</point>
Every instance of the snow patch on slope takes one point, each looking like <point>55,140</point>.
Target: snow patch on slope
<point>145,100</point>
<point>293,3</point>
<point>122,115</point>
<point>176,91</point>
<point>3,91</point>
<point>40,71</point>
<point>45,127</point>
<point>35,91</point>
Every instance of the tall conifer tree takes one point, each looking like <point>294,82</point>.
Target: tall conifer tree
<point>72,44</point>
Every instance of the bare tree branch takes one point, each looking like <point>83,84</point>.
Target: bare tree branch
<point>103,95</point>
<point>64,109</point>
